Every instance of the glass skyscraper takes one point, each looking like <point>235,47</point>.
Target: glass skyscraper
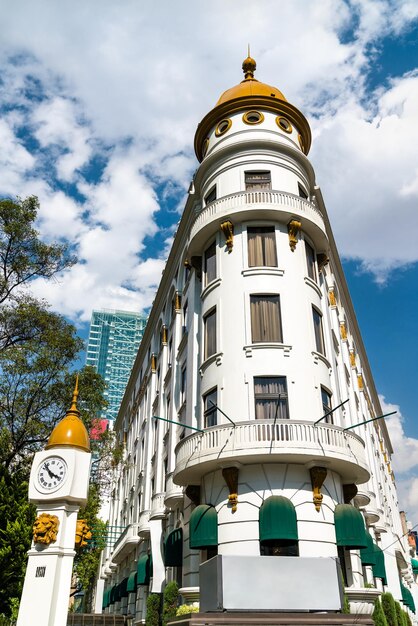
<point>113,342</point>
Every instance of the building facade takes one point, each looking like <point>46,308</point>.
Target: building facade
<point>247,416</point>
<point>113,343</point>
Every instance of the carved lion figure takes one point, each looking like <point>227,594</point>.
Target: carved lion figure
<point>82,534</point>
<point>45,528</point>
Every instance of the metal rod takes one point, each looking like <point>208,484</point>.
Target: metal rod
<point>329,412</point>
<point>155,417</point>
<point>372,420</point>
<point>220,410</point>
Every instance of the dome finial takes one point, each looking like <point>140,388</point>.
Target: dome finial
<point>73,408</point>
<point>249,66</point>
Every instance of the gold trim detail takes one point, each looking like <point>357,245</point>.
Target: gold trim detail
<point>177,301</point>
<point>331,297</point>
<point>221,129</point>
<point>153,362</point>
<point>286,127</point>
<point>360,382</point>
<point>246,118</point>
<point>349,492</point>
<point>318,475</point>
<point>343,331</point>
<point>230,476</point>
<point>205,147</point>
<point>82,534</point>
<point>352,358</point>
<point>293,229</point>
<point>228,230</point>
<point>301,144</point>
<point>164,335</point>
<point>45,528</point>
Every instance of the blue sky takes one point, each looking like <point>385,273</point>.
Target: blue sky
<point>99,103</point>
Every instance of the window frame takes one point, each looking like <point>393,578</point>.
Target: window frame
<point>260,330</point>
<point>210,410</point>
<point>254,185</point>
<point>281,410</point>
<point>210,255</point>
<point>311,261</point>
<point>265,233</point>
<point>327,407</point>
<point>318,331</point>
<point>209,340</point>
<point>211,196</point>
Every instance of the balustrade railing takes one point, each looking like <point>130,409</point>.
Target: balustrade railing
<point>244,198</point>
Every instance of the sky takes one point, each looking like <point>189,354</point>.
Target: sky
<point>99,102</point>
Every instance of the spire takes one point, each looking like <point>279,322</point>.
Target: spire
<point>249,66</point>
<point>70,431</point>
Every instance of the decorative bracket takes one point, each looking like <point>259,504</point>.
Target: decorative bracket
<point>177,301</point>
<point>349,492</point>
<point>193,493</point>
<point>228,230</point>
<point>322,260</point>
<point>318,475</point>
<point>164,335</point>
<point>331,296</point>
<point>293,229</point>
<point>230,475</point>
<point>343,331</point>
<point>153,362</point>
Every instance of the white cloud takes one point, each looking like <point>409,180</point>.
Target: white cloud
<point>404,460</point>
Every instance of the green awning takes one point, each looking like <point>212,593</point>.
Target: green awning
<point>379,570</point>
<point>144,570</point>
<point>117,592</point>
<point>277,520</point>
<point>123,588</point>
<point>173,556</point>
<point>407,598</point>
<point>349,527</point>
<point>106,598</point>
<point>131,584</point>
<point>368,555</point>
<point>414,564</point>
<point>113,594</point>
<point>203,527</point>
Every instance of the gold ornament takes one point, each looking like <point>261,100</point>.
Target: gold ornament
<point>82,534</point>
<point>45,528</point>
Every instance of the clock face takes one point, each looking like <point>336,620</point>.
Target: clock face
<point>52,473</point>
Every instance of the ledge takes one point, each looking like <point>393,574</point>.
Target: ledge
<point>263,271</point>
<point>265,345</point>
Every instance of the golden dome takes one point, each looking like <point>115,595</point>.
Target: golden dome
<point>248,95</point>
<point>250,86</point>
<point>70,431</point>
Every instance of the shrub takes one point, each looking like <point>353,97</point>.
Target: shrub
<point>153,610</point>
<point>171,597</point>
<point>378,614</point>
<point>185,609</point>
<point>399,615</point>
<point>389,609</point>
<point>408,621</point>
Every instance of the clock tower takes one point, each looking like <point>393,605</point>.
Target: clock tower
<point>58,487</point>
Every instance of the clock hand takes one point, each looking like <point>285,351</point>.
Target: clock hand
<point>50,472</point>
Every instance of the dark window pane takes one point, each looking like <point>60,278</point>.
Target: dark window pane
<point>211,196</point>
<point>319,335</point>
<point>257,180</point>
<point>310,260</point>
<point>210,333</point>
<point>209,410</point>
<point>210,263</point>
<point>326,405</point>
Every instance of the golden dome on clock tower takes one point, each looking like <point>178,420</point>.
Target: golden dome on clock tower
<point>70,431</point>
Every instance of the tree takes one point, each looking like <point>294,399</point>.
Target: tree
<point>379,618</point>
<point>23,258</point>
<point>389,609</point>
<point>170,602</point>
<point>152,617</point>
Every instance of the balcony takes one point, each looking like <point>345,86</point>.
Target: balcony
<point>157,506</point>
<point>264,441</point>
<point>242,204</point>
<point>143,524</point>
<point>173,493</point>
<point>125,543</point>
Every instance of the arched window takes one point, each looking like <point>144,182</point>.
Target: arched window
<point>278,527</point>
<point>173,553</point>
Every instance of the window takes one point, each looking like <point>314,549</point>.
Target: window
<point>183,384</point>
<point>278,527</point>
<point>302,192</point>
<point>270,395</point>
<point>261,246</point>
<point>257,180</point>
<point>319,335</point>
<point>326,405</point>
<point>210,401</point>
<point>210,263</point>
<point>311,261</point>
<point>210,196</point>
<point>266,324</point>
<point>185,318</point>
<point>210,333</point>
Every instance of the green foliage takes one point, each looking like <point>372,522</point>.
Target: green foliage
<point>389,609</point>
<point>378,614</point>
<point>170,602</point>
<point>185,609</point>
<point>16,520</point>
<point>399,614</point>
<point>153,610</point>
<point>408,620</point>
<point>346,606</point>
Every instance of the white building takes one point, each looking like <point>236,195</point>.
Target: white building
<point>251,340</point>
